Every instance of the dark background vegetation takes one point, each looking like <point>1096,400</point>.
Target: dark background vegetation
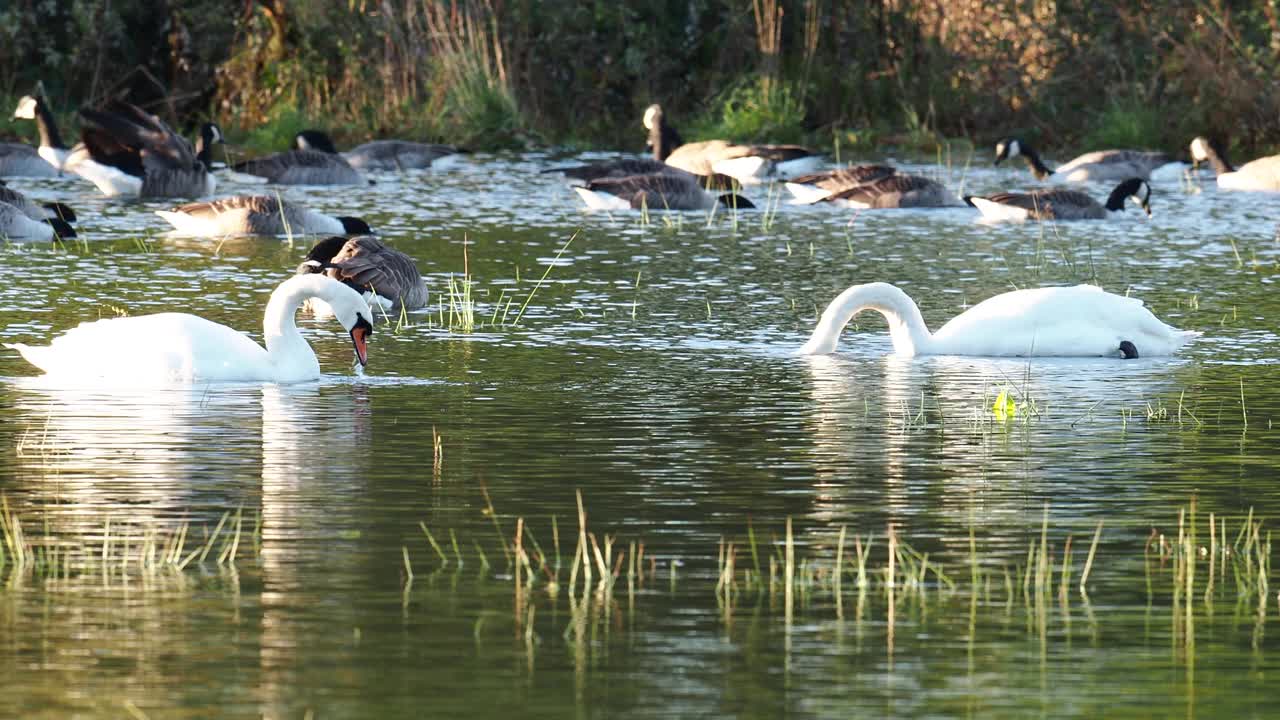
<point>494,73</point>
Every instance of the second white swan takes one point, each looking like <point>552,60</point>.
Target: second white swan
<point>1080,321</point>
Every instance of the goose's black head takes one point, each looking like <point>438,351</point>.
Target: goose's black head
<point>320,256</point>
<point>210,134</point>
<point>737,202</point>
<point>314,140</point>
<point>61,228</point>
<point>1135,188</point>
<point>663,138</point>
<point>354,226</point>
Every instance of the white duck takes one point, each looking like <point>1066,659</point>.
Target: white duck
<point>1080,321</point>
<point>177,347</point>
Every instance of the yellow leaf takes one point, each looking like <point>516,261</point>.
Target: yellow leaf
<point>1004,407</point>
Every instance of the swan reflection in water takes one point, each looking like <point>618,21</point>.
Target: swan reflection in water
<point>143,453</point>
<point>316,462</point>
<point>917,442</point>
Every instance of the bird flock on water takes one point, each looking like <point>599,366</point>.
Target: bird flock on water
<point>355,277</point>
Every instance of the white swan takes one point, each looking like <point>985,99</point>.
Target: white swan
<point>176,347</point>
<point>1080,321</point>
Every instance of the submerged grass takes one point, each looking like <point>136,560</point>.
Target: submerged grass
<point>122,547</point>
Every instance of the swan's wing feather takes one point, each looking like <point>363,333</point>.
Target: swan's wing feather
<point>1058,321</point>
<point>149,348</point>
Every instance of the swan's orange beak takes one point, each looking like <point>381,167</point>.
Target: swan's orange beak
<point>359,338</point>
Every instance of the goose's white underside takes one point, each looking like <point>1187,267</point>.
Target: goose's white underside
<point>111,181</point>
<point>57,157</point>
<point>20,228</point>
<point>749,170</point>
<point>800,166</point>
<point>596,200</point>
<point>999,211</point>
<point>244,178</point>
<point>235,222</point>
<point>802,194</point>
<point>197,226</point>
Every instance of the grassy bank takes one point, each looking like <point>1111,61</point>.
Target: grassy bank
<point>488,75</point>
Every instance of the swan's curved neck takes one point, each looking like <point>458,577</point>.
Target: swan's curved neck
<point>906,326</point>
<point>285,344</point>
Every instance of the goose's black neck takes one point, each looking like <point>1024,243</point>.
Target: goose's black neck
<point>209,135</point>
<point>663,138</point>
<point>49,136</point>
<point>1130,187</point>
<point>1037,165</point>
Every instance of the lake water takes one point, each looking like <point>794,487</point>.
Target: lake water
<point>651,369</point>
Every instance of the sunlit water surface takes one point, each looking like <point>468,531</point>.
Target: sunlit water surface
<point>646,362</point>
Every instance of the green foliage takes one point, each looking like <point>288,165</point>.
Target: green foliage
<point>479,109</point>
<point>283,122</point>
<point>760,109</point>
<point>493,74</point>
<point>1129,124</point>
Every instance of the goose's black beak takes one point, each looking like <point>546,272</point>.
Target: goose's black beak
<point>359,339</point>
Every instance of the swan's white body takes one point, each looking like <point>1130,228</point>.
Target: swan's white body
<point>182,348</point>
<point>1080,321</point>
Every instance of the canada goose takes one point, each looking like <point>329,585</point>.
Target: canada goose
<point>257,215</point>
<point>1057,204</point>
<point>386,276</point>
<point>52,151</point>
<point>135,153</point>
<point>34,210</point>
<point>16,225</point>
<point>1097,165</point>
<point>1260,174</point>
<point>626,167</point>
<point>814,187</point>
<point>894,191</point>
<point>378,154</point>
<point>18,160</point>
<point>313,161</point>
<point>749,164</point>
<point>182,348</point>
<point>656,191</point>
<point>1080,321</point>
